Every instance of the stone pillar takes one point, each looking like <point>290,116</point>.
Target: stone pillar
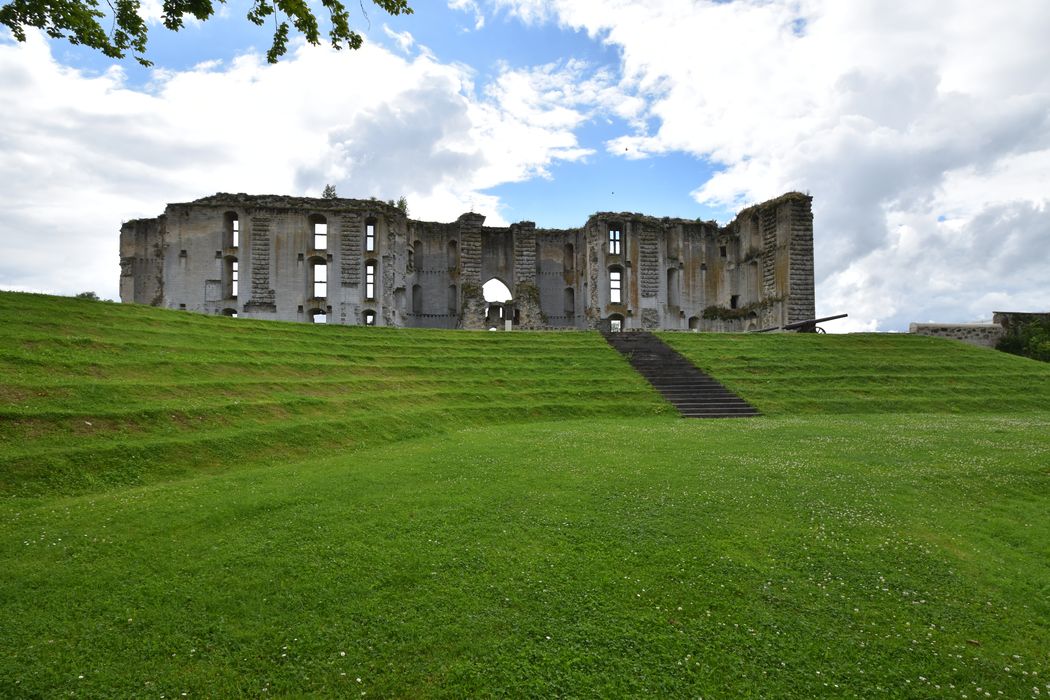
<point>801,305</point>
<point>526,293</point>
<point>263,298</point>
<point>473,315</point>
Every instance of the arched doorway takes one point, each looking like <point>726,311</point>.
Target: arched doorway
<point>498,303</point>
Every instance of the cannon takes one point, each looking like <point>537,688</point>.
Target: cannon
<point>807,326</point>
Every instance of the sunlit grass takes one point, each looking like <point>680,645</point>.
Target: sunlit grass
<point>326,511</point>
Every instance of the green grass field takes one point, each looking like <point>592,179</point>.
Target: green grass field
<point>216,507</point>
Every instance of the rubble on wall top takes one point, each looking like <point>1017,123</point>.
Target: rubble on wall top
<point>284,201</point>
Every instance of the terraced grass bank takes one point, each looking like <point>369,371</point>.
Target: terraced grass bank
<point>210,507</point>
<point>94,395</point>
<point>790,373</point>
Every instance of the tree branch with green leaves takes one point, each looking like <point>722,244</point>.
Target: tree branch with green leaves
<point>81,22</point>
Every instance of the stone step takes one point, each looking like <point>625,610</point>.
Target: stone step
<point>693,393</point>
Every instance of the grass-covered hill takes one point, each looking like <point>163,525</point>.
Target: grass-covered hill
<point>96,394</point>
<point>224,508</point>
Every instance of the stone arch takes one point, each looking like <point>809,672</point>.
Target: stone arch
<point>694,323</point>
<point>498,302</point>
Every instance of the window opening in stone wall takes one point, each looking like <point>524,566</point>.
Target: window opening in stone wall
<point>318,316</point>
<point>569,263</point>
<point>723,252</point>
<point>414,249</point>
<point>734,301</point>
<point>614,241</point>
<point>453,255</point>
<point>370,280</point>
<point>570,301</point>
<point>320,280</point>
<point>235,274</point>
<point>417,299</point>
<point>453,300</point>
<point>319,228</point>
<point>370,318</point>
<point>616,323</point>
<point>231,230</point>
<point>370,236</point>
<point>615,286</point>
<point>232,313</point>
<point>694,323</point>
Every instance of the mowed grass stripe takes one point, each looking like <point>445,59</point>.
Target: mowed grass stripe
<point>79,410</point>
<point>792,373</point>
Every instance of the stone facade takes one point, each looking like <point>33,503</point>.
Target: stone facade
<point>353,261</point>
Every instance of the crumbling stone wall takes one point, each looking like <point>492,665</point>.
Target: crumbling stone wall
<point>676,273</point>
<point>983,334</point>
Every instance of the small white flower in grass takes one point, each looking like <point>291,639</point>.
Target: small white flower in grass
<point>342,653</point>
<point>358,680</point>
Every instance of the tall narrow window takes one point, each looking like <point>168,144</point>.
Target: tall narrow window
<point>734,301</point>
<point>319,229</point>
<point>569,263</point>
<point>614,241</point>
<point>320,280</point>
<point>453,300</point>
<point>417,299</point>
<point>234,278</point>
<point>231,231</point>
<point>570,301</point>
<point>370,281</point>
<point>370,235</point>
<point>615,286</point>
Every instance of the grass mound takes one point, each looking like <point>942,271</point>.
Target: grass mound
<point>789,373</point>
<point>94,395</point>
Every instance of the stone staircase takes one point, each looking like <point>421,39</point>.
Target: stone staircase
<point>693,393</point>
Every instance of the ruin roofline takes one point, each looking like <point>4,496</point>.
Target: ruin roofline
<point>281,201</point>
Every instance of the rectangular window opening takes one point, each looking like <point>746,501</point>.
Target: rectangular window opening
<point>234,278</point>
<point>236,233</point>
<point>615,281</point>
<point>614,241</point>
<point>370,281</point>
<point>370,237</point>
<point>320,280</point>
<point>320,236</point>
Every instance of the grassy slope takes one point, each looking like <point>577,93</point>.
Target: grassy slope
<point>94,395</point>
<point>867,554</point>
<point>789,373</point>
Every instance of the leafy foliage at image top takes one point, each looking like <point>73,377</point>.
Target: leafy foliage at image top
<point>78,21</point>
<point>1031,339</point>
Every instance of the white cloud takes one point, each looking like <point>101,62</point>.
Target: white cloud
<point>404,40</point>
<point>891,115</point>
<point>81,153</point>
<point>469,6</point>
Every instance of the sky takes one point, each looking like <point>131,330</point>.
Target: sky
<point>921,129</point>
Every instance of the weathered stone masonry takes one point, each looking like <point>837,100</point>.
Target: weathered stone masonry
<point>255,256</point>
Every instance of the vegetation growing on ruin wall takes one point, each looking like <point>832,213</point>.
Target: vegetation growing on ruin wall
<point>1028,338</point>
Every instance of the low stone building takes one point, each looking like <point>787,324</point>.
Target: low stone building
<point>353,261</point>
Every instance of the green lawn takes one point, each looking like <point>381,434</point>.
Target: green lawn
<point>514,515</point>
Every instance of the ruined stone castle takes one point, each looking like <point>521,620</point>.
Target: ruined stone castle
<point>363,262</point>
